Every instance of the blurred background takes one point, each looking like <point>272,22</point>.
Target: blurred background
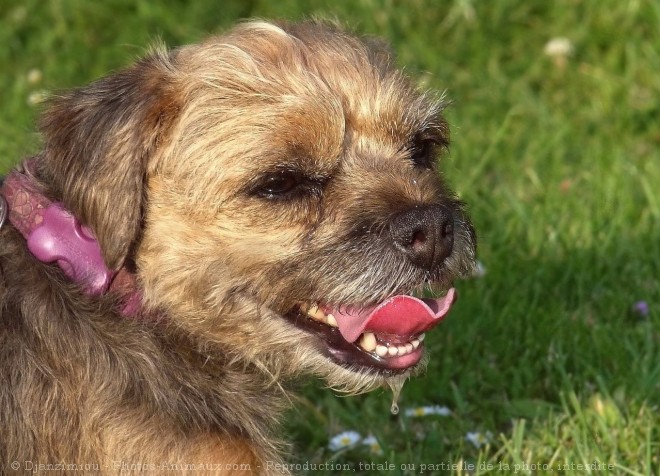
<point>550,359</point>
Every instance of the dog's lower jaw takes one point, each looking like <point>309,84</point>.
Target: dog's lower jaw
<point>348,380</point>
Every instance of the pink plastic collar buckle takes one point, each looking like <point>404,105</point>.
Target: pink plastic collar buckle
<point>60,237</point>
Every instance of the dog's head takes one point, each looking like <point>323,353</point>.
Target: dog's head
<point>277,189</point>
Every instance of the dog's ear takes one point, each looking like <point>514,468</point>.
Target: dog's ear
<point>98,144</point>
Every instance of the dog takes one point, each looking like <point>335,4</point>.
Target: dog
<point>205,227</point>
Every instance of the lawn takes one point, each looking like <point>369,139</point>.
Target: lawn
<point>550,362</point>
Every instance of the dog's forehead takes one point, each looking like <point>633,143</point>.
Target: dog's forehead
<point>302,97</point>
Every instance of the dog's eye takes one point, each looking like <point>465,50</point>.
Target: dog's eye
<point>278,185</point>
<point>423,153</point>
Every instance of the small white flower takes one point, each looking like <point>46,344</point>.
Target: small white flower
<point>34,76</point>
<point>558,48</point>
<point>478,439</point>
<point>343,440</point>
<point>37,97</point>
<point>439,410</point>
<point>372,443</point>
<point>428,410</point>
<point>416,412</point>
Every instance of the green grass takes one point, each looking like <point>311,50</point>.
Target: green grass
<point>560,166</point>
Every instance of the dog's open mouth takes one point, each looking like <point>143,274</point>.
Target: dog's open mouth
<point>387,336</point>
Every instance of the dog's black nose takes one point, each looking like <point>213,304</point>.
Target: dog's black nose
<point>425,234</point>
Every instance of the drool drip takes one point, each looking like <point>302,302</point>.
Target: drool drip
<point>396,384</point>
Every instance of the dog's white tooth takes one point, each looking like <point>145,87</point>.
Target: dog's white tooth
<point>315,313</point>
<point>381,350</point>
<point>409,348</point>
<point>415,343</point>
<point>402,349</point>
<point>368,342</point>
<point>392,350</point>
<point>421,337</point>
<point>331,321</point>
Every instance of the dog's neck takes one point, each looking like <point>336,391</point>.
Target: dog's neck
<point>54,235</point>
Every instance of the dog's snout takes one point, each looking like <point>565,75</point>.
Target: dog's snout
<point>425,234</point>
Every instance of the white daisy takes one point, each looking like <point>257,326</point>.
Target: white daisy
<point>37,97</point>
<point>479,439</point>
<point>34,76</point>
<point>372,443</point>
<point>558,48</point>
<point>343,440</point>
<point>428,410</point>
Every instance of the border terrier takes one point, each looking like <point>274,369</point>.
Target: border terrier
<point>204,227</point>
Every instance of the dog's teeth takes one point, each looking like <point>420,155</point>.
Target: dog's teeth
<point>381,350</point>
<point>368,342</point>
<point>331,321</point>
<point>315,313</point>
<point>421,337</point>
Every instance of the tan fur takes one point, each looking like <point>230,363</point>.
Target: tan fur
<point>164,161</point>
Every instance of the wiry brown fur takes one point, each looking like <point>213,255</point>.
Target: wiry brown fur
<point>164,161</point>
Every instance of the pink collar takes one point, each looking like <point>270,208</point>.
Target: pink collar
<point>54,235</point>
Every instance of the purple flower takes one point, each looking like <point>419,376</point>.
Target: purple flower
<point>641,308</point>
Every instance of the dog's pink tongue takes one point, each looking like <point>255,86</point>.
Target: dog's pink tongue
<point>404,316</point>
